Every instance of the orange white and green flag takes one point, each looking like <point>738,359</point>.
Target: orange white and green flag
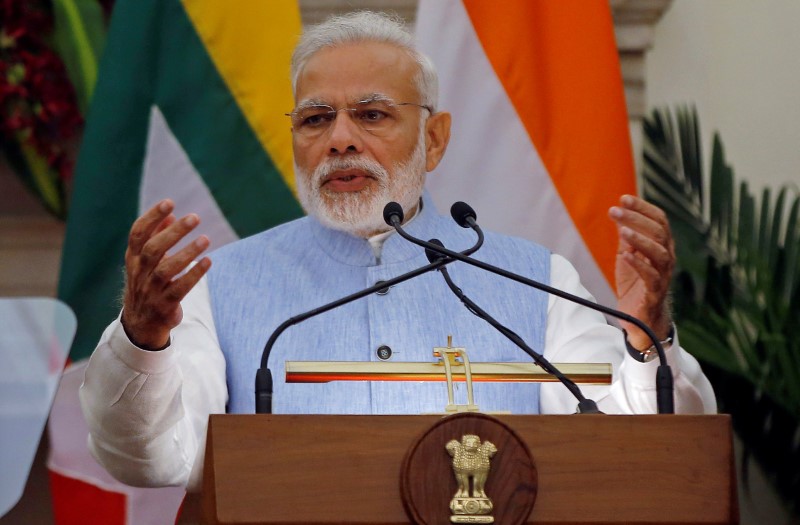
<point>540,143</point>
<point>189,104</point>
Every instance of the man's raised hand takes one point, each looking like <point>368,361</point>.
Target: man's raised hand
<point>154,286</point>
<point>645,260</point>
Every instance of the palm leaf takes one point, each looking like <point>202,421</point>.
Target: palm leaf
<point>785,281</point>
<point>737,288</point>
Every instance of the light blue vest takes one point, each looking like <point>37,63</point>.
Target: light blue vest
<point>259,282</point>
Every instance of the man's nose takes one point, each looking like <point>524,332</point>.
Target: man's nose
<point>345,135</point>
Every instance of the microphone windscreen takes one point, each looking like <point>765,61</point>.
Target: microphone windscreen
<point>392,209</point>
<point>432,255</point>
<point>461,211</point>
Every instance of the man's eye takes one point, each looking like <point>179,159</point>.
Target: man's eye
<point>316,119</point>
<point>372,115</point>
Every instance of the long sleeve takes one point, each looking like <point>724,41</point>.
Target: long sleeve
<point>578,334</point>
<point>148,411</point>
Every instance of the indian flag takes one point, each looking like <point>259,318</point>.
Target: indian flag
<point>540,145</point>
<point>190,105</point>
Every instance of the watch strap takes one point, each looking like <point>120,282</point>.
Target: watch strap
<point>645,356</point>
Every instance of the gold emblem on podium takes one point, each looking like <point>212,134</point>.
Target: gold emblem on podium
<point>471,460</point>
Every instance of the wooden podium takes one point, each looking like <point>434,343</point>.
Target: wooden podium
<point>292,469</point>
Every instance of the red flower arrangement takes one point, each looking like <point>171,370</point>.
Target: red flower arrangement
<point>37,101</point>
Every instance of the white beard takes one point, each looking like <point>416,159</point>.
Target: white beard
<point>360,213</point>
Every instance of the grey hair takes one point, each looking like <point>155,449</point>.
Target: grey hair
<point>366,26</point>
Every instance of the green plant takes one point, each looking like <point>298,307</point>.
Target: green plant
<point>736,290</point>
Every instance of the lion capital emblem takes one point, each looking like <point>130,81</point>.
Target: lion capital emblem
<point>471,460</point>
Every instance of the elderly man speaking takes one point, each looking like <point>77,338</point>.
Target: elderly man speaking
<point>365,129</point>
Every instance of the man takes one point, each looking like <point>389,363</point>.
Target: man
<point>365,130</point>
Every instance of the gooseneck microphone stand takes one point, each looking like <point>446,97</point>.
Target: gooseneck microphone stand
<point>393,215</point>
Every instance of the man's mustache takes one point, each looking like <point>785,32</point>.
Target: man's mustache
<point>369,166</point>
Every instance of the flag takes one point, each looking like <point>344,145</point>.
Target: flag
<point>540,144</point>
<point>189,105</point>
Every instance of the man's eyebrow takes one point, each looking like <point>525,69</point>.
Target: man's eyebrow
<point>374,97</point>
<point>311,102</point>
<point>366,98</point>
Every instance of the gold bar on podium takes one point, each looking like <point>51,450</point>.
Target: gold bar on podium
<point>327,371</point>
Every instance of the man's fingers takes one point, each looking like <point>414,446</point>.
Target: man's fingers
<point>156,247</point>
<point>639,205</point>
<point>171,266</point>
<point>168,220</point>
<point>649,275</point>
<point>145,225</point>
<point>637,215</point>
<point>178,289</point>
<point>641,223</point>
<point>658,255</point>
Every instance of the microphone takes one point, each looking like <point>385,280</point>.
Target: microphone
<point>464,215</point>
<point>664,383</point>
<point>393,213</point>
<point>585,406</point>
<point>264,380</point>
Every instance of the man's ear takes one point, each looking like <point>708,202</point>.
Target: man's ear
<point>437,136</point>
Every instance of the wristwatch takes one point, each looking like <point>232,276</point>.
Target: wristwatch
<point>645,356</point>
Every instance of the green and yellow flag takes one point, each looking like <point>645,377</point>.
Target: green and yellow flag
<point>189,104</point>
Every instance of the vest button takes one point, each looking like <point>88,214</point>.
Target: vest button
<point>382,291</point>
<point>384,352</point>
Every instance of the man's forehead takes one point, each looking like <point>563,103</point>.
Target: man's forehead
<point>348,73</point>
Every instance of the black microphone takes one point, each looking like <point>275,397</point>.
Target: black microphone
<point>392,213</point>
<point>585,406</point>
<point>664,383</point>
<point>264,381</point>
<point>464,215</point>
